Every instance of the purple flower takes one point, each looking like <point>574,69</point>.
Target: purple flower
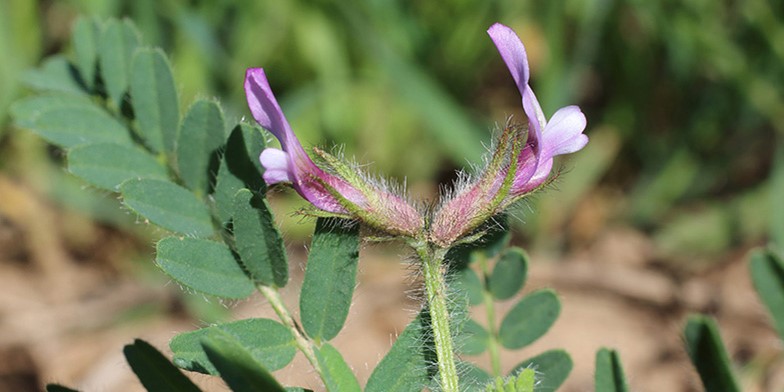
<point>345,193</point>
<point>517,167</point>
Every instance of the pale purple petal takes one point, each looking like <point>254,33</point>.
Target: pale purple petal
<point>276,166</point>
<point>512,51</point>
<point>563,134</point>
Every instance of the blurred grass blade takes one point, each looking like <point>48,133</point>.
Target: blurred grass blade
<point>258,240</point>
<point>330,277</point>
<point>269,343</point>
<point>338,375</point>
<point>168,205</point>
<point>552,368</point>
<point>609,372</point>
<point>117,43</point>
<point>237,367</point>
<point>767,273</point>
<point>205,266</point>
<point>155,372</point>
<point>509,274</point>
<point>708,355</point>
<point>58,388</point>
<point>84,37</point>
<point>107,165</point>
<point>154,98</point>
<point>529,319</point>
<point>407,366</point>
<point>473,338</point>
<point>239,168</point>
<point>201,135</point>
<point>55,74</point>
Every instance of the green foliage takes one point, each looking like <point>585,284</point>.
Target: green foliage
<point>205,266</point>
<point>406,367</point>
<point>509,274</point>
<point>73,125</point>
<point>118,41</point>
<point>330,277</point>
<point>86,35</point>
<point>239,168</point>
<point>767,273</point>
<point>339,376</point>
<point>168,205</point>
<point>237,367</point>
<point>708,355</point>
<point>476,338</point>
<point>201,135</point>
<point>258,240</point>
<point>155,102</point>
<point>552,368</point>
<point>609,375</point>
<point>472,376</point>
<point>529,319</point>
<point>55,74</point>
<point>108,165</point>
<point>466,281</point>
<point>155,372</point>
<point>269,343</point>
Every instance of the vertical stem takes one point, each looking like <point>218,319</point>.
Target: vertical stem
<point>487,297</point>
<point>432,262</point>
<point>303,343</point>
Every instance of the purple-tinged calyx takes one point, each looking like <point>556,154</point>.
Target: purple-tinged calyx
<point>522,161</point>
<point>341,192</point>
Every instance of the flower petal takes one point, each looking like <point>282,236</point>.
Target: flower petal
<point>563,134</point>
<point>512,51</point>
<point>276,166</point>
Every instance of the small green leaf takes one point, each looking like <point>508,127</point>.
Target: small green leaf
<point>708,355</point>
<point>55,74</point>
<point>407,366</point>
<point>474,338</point>
<point>154,98</point>
<point>467,282</point>
<point>767,273</point>
<point>168,205</point>
<point>201,135</point>
<point>268,342</point>
<point>472,376</point>
<point>237,367</point>
<point>338,376</point>
<point>85,41</point>
<point>609,372</point>
<point>529,319</point>
<point>116,45</point>
<point>74,125</point>
<point>509,274</point>
<point>551,367</point>
<point>155,371</point>
<point>239,168</point>
<point>58,388</point>
<point>26,111</point>
<point>258,240</point>
<point>204,266</point>
<point>108,165</point>
<point>330,277</point>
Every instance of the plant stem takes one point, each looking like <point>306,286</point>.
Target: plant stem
<point>435,284</point>
<point>304,344</point>
<point>487,297</point>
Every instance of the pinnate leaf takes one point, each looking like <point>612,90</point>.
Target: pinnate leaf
<point>155,371</point>
<point>154,98</point>
<point>168,205</point>
<point>268,342</point>
<point>529,319</point>
<point>205,266</point>
<point>330,277</point>
<point>107,165</point>
<point>258,240</point>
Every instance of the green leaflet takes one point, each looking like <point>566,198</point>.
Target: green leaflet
<point>239,168</point>
<point>330,277</point>
<point>708,355</point>
<point>338,376</point>
<point>56,74</point>
<point>199,139</point>
<point>205,266</point>
<point>258,240</point>
<point>71,125</point>
<point>155,371</point>
<point>268,342</point>
<point>154,97</point>
<point>168,205</point>
<point>529,319</point>
<point>552,368</point>
<point>85,35</point>
<point>406,367</point>
<point>237,367</point>
<point>609,372</point>
<point>107,165</point>
<point>473,338</point>
<point>509,274</point>
<point>116,45</point>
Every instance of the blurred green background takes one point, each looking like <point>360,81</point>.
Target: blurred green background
<point>684,99</point>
